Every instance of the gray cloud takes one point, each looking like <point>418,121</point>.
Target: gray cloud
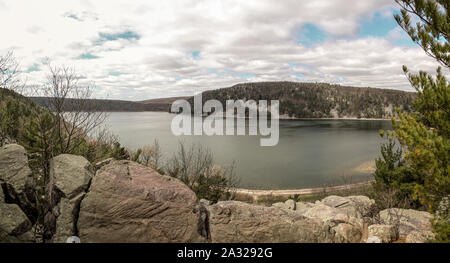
<point>142,49</point>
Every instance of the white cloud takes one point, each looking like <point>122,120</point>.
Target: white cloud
<point>144,48</point>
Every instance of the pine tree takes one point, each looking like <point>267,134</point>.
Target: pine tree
<point>424,133</point>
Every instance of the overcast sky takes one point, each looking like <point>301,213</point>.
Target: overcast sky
<point>138,50</point>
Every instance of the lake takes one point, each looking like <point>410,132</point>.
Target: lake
<point>310,153</point>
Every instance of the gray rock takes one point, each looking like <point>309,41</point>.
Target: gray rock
<point>71,176</point>
<point>407,220</point>
<point>419,237</point>
<point>129,202</point>
<point>347,233</point>
<point>103,163</point>
<point>302,207</point>
<point>288,205</point>
<point>281,205</point>
<point>331,214</point>
<point>386,233</point>
<point>233,221</point>
<point>357,206</point>
<point>14,224</point>
<point>336,201</point>
<point>346,224</point>
<point>373,239</point>
<point>14,168</point>
<point>362,203</point>
<point>16,179</point>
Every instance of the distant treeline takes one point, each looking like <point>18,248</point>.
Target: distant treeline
<point>319,100</point>
<point>108,105</point>
<point>297,100</point>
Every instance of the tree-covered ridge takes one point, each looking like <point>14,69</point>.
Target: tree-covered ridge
<point>15,112</point>
<point>319,100</point>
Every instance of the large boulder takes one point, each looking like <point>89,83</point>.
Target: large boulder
<point>128,202</point>
<point>407,220</point>
<point>386,233</point>
<point>233,221</point>
<point>70,178</point>
<point>302,207</point>
<point>344,215</point>
<point>289,205</point>
<point>16,179</point>
<point>14,168</point>
<point>14,224</point>
<point>357,206</point>
<point>346,223</point>
<point>71,174</point>
<point>347,233</point>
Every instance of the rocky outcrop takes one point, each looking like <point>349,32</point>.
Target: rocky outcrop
<point>409,221</point>
<point>232,221</point>
<point>17,209</point>
<point>16,179</point>
<point>289,204</point>
<point>385,233</point>
<point>357,206</point>
<point>14,224</point>
<point>348,226</point>
<point>347,218</point>
<point>128,202</point>
<point>343,215</point>
<point>70,179</point>
<point>419,236</point>
<point>14,168</point>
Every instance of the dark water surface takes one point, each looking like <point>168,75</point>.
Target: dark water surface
<point>309,153</point>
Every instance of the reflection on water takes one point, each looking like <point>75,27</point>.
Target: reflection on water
<point>309,153</point>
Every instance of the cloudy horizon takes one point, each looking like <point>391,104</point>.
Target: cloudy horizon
<point>136,50</point>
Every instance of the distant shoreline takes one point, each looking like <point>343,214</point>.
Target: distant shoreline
<point>284,118</point>
<point>255,193</point>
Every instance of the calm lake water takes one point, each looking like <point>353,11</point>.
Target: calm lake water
<point>309,153</point>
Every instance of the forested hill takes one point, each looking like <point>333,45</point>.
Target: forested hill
<point>297,100</point>
<point>319,100</point>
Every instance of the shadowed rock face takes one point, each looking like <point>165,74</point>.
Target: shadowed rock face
<point>13,222</point>
<point>128,202</point>
<point>17,208</point>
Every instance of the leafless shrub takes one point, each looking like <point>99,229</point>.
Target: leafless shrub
<point>151,156</point>
<point>103,135</point>
<point>195,167</point>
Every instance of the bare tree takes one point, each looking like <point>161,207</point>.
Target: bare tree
<point>9,72</point>
<point>76,114</point>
